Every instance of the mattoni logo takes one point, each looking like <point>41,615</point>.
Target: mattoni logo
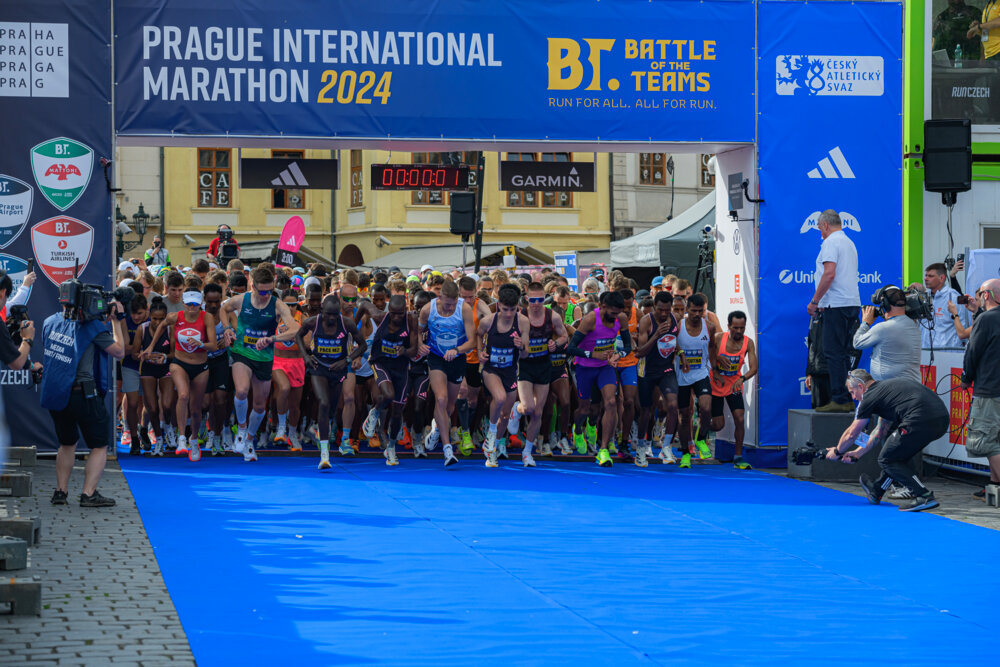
<point>842,76</point>
<point>790,276</point>
<point>848,220</point>
<point>825,169</point>
<point>62,170</point>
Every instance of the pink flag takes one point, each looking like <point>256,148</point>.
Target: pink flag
<point>291,240</point>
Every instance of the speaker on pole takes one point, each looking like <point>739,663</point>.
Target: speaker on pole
<point>948,155</point>
<point>463,213</point>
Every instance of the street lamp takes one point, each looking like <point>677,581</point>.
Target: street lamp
<point>670,170</point>
<point>140,222</point>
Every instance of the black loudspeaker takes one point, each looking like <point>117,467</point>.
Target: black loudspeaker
<point>463,213</point>
<point>948,155</point>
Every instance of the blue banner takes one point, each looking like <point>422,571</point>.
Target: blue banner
<point>55,207</point>
<point>629,70</point>
<point>830,137</point>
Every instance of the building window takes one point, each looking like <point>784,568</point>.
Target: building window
<point>440,197</point>
<point>652,169</point>
<point>215,177</point>
<point>531,199</point>
<point>357,182</point>
<point>707,177</point>
<point>991,237</point>
<point>288,197</point>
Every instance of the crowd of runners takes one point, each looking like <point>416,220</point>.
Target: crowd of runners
<point>238,360</point>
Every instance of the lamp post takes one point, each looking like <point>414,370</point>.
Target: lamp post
<point>140,222</point>
<point>670,170</point>
<point>120,226</point>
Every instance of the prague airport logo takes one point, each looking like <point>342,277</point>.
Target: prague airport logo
<point>812,222</point>
<point>15,207</point>
<point>842,76</point>
<point>62,170</point>
<point>60,244</point>
<point>15,267</point>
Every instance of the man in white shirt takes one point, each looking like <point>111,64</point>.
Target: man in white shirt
<point>838,301</point>
<point>943,334</point>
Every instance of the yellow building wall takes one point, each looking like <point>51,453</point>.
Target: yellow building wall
<point>392,214</point>
<point>250,214</point>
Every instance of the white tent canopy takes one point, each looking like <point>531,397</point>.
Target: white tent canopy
<point>644,249</point>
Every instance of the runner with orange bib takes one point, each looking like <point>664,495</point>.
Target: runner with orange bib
<point>728,380</point>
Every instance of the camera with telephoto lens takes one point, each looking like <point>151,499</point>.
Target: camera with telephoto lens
<point>16,316</point>
<point>805,455</point>
<point>93,302</point>
<point>228,250</point>
<point>917,303</point>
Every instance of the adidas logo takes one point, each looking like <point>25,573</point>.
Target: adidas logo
<point>293,176</point>
<point>826,169</point>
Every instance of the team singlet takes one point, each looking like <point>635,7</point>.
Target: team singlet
<point>253,324</point>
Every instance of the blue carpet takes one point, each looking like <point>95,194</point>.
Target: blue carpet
<point>418,565</point>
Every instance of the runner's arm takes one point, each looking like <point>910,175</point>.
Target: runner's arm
<point>560,331</point>
<point>286,317</point>
<point>414,350</point>
<point>751,360</point>
<point>470,330</point>
<point>484,326</point>
<point>360,345</point>
<point>300,335</point>
<point>645,341</point>
<point>625,335</point>
<point>586,326</point>
<point>211,344</point>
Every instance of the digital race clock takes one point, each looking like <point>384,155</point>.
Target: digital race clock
<point>419,177</point>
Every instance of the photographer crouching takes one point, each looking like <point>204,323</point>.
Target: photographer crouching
<point>919,417</point>
<point>78,342</point>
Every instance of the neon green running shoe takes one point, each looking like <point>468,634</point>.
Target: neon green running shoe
<point>686,461</point>
<point>591,432</point>
<point>703,451</point>
<point>603,458</point>
<point>613,447</point>
<point>580,442</point>
<point>740,464</point>
<point>466,446</point>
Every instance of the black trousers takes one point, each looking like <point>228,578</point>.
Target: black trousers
<point>838,323</point>
<point>902,445</point>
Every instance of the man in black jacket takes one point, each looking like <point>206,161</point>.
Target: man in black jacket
<point>981,369</point>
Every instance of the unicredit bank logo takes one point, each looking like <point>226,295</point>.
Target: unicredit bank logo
<point>791,276</point>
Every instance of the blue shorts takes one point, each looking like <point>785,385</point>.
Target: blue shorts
<point>628,376</point>
<point>589,377</point>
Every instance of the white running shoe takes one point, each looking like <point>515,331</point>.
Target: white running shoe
<point>544,448</point>
<point>490,444</point>
<point>390,455</point>
<point>659,431</point>
<point>158,446</point>
<point>564,447</point>
<point>640,457</point>
<point>433,438</point>
<point>324,457</point>
<point>418,446</point>
<point>214,443</point>
<point>194,455</point>
<point>491,459</point>
<point>171,436</point>
<point>240,443</point>
<point>294,444</point>
<point>250,454</point>
<point>502,448</point>
<point>227,439</point>
<point>280,435</point>
<point>182,446</point>
<point>456,434</point>
<point>313,433</point>
<point>371,423</point>
<point>449,456</point>
<point>514,422</point>
<point>527,460</point>
<point>667,455</point>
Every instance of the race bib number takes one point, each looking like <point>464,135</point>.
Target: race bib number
<point>501,357</point>
<point>391,349</point>
<point>329,350</point>
<point>727,366</point>
<point>693,358</point>
<point>604,345</point>
<point>538,347</point>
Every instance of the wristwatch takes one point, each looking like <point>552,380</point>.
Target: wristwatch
<point>954,317</point>
<point>29,341</point>
<point>586,353</point>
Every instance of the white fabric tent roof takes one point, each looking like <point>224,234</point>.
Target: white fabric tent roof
<point>644,249</point>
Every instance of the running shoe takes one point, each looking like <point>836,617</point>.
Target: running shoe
<point>633,433</point>
<point>324,456</point>
<point>491,458</point>
<point>433,438</point>
<point>465,445</point>
<point>390,455</point>
<point>565,448</point>
<point>740,464</point>
<point>371,423</point>
<point>418,446</point>
<point>920,503</point>
<point>195,454</point>
<point>145,444</point>
<point>449,456</point>
<point>502,447</point>
<point>897,492</point>
<point>527,460</point>
<point>240,443</point>
<point>490,444</point>
<point>980,494</point>
<point>667,455</point>
<point>157,447</point>
<point>591,433</point>
<point>313,433</point>
<point>280,436</point>
<point>579,441</point>
<point>613,447</point>
<point>182,446</point>
<point>640,458</point>
<point>514,422</point>
<point>545,448</point>
<point>872,492</point>
<point>345,447</point>
<point>294,444</point>
<point>603,458</point>
<point>59,498</point>
<point>127,438</point>
<point>96,500</point>
<point>170,435</point>
<point>250,454</point>
<point>703,451</point>
<point>686,461</point>
<point>659,432</point>
<point>227,440</point>
<point>215,444</point>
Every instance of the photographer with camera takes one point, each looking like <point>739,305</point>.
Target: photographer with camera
<point>919,417</point>
<point>895,342</point>
<point>157,255</point>
<point>78,342</point>
<point>223,247</point>
<point>15,338</point>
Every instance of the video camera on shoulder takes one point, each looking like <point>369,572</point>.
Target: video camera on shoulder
<point>918,304</point>
<point>228,250</point>
<point>93,302</point>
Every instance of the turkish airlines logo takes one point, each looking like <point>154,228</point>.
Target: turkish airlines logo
<point>60,244</point>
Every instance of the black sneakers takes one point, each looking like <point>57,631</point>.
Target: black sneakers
<point>873,493</point>
<point>920,503</point>
<point>59,497</point>
<point>95,500</point>
<point>980,494</point>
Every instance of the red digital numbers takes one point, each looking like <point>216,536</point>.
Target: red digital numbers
<point>419,177</point>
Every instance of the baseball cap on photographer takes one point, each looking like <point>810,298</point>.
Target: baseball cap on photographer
<point>129,267</point>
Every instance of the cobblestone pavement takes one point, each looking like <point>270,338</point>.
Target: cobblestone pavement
<point>104,601</point>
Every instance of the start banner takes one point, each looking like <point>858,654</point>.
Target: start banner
<point>516,70</point>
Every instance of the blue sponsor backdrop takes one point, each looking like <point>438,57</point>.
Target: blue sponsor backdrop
<point>56,86</point>
<point>516,69</point>
<point>830,138</point>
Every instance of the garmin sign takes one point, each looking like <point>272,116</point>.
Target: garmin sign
<point>547,176</point>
